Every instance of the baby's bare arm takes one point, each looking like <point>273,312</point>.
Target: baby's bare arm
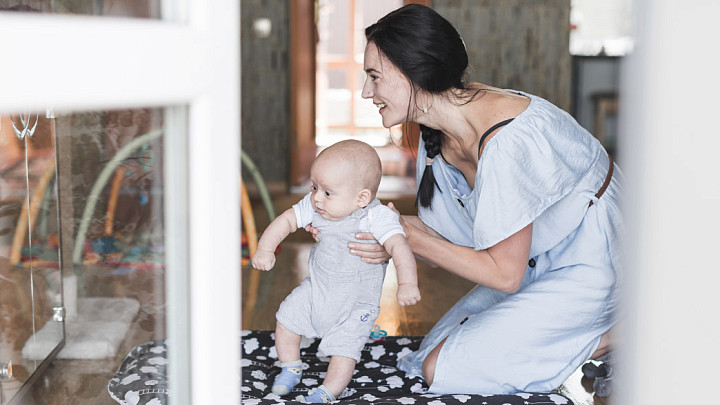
<point>408,292</point>
<point>276,232</point>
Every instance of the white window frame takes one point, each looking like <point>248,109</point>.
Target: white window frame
<point>73,63</point>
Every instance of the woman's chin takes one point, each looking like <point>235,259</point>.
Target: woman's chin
<point>389,124</point>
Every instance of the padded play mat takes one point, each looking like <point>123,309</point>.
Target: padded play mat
<point>141,378</point>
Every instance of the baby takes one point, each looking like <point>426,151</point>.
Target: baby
<point>340,300</point>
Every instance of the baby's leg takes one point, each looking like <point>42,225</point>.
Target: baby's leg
<point>338,376</point>
<point>339,373</point>
<point>287,345</point>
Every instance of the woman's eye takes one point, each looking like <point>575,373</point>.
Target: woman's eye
<point>373,77</point>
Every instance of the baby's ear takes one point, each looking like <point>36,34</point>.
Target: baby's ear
<point>364,197</point>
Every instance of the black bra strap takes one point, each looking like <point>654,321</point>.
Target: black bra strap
<point>489,131</point>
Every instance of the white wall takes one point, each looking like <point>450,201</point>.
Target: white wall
<point>670,88</point>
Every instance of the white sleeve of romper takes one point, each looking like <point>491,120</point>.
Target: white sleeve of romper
<point>304,211</point>
<point>383,223</point>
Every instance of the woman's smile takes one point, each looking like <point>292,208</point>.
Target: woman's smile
<point>381,107</point>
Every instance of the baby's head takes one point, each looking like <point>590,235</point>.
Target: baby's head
<point>345,176</point>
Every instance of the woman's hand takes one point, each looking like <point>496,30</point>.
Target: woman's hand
<point>373,253</point>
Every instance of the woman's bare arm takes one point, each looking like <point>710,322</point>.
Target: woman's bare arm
<point>501,267</point>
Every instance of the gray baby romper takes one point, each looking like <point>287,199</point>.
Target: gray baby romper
<point>340,300</point>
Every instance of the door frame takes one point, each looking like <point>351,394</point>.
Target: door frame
<point>189,64</point>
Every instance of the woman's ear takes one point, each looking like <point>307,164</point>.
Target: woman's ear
<point>364,197</point>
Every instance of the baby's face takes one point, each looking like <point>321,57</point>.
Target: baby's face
<point>334,192</point>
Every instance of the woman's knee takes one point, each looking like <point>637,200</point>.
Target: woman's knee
<point>428,366</point>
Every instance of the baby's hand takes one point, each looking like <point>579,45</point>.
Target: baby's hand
<point>263,260</point>
<point>408,294</point>
<point>313,231</point>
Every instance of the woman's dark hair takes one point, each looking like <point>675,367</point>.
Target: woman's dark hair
<point>430,52</point>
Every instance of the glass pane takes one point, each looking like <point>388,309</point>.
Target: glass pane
<point>111,236</point>
<point>333,99</point>
<point>372,10</point>
<point>366,113</point>
<point>118,251</point>
<point>117,197</point>
<point>113,8</point>
<point>337,98</point>
<point>367,12</point>
<point>331,136</point>
<point>332,27</point>
<point>374,137</point>
<point>600,28</point>
<point>30,277</point>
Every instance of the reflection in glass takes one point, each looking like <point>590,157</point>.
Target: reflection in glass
<point>106,191</point>
<point>29,257</point>
<point>114,8</point>
<point>118,249</point>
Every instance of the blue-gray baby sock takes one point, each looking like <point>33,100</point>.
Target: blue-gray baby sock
<point>288,378</point>
<point>321,396</point>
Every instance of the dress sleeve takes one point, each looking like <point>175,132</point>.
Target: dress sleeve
<point>525,170</point>
<point>304,211</point>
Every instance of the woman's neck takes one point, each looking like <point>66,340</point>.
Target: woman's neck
<point>463,118</point>
<point>459,120</point>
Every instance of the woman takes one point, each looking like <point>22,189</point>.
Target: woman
<point>513,195</point>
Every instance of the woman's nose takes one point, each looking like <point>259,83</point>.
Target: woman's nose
<point>366,92</point>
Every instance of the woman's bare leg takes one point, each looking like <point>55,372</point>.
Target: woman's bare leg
<point>428,366</point>
<point>604,346</point>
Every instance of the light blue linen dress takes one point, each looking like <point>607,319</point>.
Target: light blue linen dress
<point>545,169</point>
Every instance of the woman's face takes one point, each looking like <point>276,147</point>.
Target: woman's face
<point>387,86</point>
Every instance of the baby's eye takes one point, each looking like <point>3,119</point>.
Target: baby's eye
<point>313,188</point>
<point>327,193</point>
